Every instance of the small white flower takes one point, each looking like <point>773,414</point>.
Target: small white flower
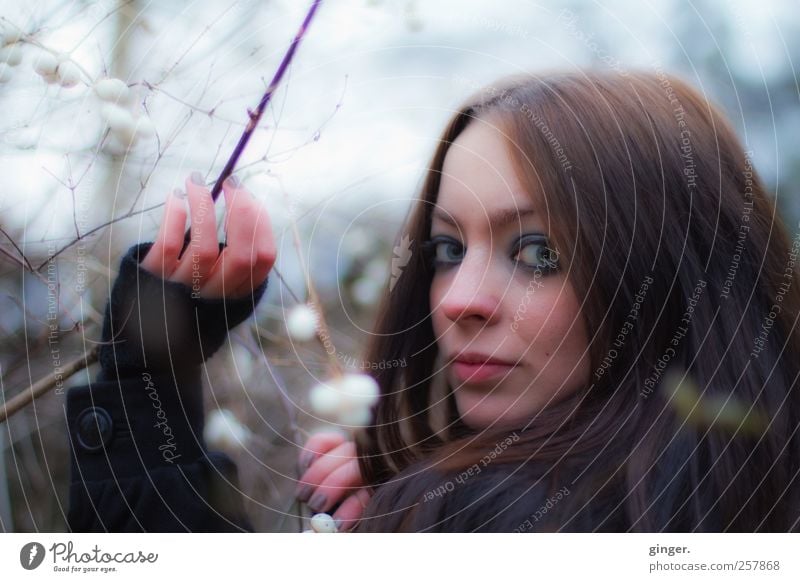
<point>11,34</point>
<point>326,400</point>
<point>323,523</point>
<point>111,90</point>
<point>302,323</point>
<point>347,400</point>
<point>45,64</point>
<point>223,430</point>
<point>68,74</point>
<point>11,55</point>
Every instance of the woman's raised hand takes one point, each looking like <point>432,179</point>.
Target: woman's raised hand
<point>234,272</point>
<point>331,477</point>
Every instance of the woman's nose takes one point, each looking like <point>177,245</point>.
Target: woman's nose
<point>473,293</point>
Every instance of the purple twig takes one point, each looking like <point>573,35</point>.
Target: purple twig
<point>255,116</point>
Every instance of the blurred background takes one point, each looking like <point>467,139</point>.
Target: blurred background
<point>339,153</point>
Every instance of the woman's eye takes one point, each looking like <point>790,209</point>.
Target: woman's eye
<point>536,254</point>
<point>444,251</point>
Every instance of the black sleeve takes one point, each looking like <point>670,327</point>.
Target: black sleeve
<point>139,462</point>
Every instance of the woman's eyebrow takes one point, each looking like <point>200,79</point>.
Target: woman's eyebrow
<point>498,218</point>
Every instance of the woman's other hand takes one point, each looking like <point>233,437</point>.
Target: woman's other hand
<point>241,266</point>
<point>331,477</point>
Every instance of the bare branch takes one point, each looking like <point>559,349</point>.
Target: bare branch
<point>44,385</point>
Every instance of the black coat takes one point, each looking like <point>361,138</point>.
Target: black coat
<point>139,462</point>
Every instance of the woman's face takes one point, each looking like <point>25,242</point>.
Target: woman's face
<point>497,293</point>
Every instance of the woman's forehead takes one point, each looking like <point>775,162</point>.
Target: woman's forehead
<point>478,175</point>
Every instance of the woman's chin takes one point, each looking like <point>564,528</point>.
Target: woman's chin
<point>484,415</point>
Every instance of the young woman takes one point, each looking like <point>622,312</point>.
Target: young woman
<point>599,319</point>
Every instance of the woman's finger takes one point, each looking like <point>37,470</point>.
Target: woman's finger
<point>324,466</point>
<point>335,487</point>
<point>197,261</point>
<point>250,251</point>
<point>162,258</point>
<point>316,446</point>
<point>351,509</point>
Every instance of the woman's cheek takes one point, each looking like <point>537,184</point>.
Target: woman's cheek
<point>550,323</point>
<point>538,315</point>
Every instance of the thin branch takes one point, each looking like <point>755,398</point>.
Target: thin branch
<point>92,231</point>
<point>255,116</point>
<point>16,248</point>
<point>44,385</point>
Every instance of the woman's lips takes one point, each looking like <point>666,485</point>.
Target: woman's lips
<point>465,372</point>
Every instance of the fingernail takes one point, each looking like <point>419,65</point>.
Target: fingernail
<point>233,181</point>
<point>305,461</point>
<point>197,178</point>
<point>303,491</point>
<point>178,193</point>
<point>317,502</point>
<point>338,524</point>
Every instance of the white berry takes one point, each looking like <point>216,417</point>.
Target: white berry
<point>323,523</point>
<point>11,55</point>
<point>120,121</point>
<point>355,417</point>
<point>11,34</point>
<point>360,390</point>
<point>326,400</point>
<point>302,323</point>
<point>347,400</point>
<point>111,90</point>
<point>68,74</point>
<point>223,430</point>
<point>45,64</point>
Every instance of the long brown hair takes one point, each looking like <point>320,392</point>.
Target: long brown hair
<point>690,299</point>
